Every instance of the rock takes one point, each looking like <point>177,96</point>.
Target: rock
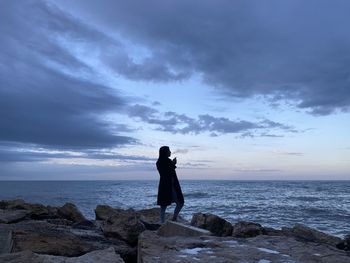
<point>100,256</point>
<point>45,238</point>
<point>151,215</point>
<point>6,241</point>
<point>344,244</point>
<point>11,204</point>
<point>259,249</point>
<point>150,218</point>
<point>125,225</point>
<point>103,212</point>
<point>85,224</point>
<point>62,245</point>
<point>308,234</point>
<point>272,232</point>
<point>247,229</point>
<point>70,211</point>
<point>60,222</point>
<point>36,211</point>
<point>12,216</point>
<point>215,224</point>
<point>170,228</point>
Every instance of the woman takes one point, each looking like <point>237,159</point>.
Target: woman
<point>169,190</point>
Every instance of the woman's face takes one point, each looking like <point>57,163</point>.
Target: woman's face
<point>169,153</point>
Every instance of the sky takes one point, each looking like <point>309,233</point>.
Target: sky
<point>241,90</point>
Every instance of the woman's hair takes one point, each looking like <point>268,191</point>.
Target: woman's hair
<point>163,152</point>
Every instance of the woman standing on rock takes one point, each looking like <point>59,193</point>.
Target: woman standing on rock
<point>169,190</point>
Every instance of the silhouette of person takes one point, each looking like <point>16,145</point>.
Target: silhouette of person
<point>169,190</point>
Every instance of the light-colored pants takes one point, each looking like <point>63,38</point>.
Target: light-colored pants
<point>176,210</point>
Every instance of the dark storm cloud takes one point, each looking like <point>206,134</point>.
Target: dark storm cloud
<point>181,123</point>
<point>291,50</point>
<point>40,103</point>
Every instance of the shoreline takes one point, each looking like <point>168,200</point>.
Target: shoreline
<point>130,236</point>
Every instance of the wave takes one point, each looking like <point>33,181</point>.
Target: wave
<point>305,198</point>
<point>197,195</point>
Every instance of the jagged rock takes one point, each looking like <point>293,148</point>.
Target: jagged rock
<point>70,211</point>
<point>215,224</point>
<point>247,229</point>
<point>170,228</point>
<point>100,256</point>
<point>12,216</point>
<point>208,249</point>
<point>125,225</point>
<point>311,235</point>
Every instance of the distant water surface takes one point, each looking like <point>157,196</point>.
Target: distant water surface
<point>324,205</point>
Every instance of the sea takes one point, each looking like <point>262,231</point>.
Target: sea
<point>323,205</point>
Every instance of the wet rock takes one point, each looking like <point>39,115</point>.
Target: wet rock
<point>308,234</point>
<point>101,256</point>
<point>215,224</point>
<point>70,211</point>
<point>170,228</point>
<point>125,225</point>
<point>12,216</point>
<point>247,229</point>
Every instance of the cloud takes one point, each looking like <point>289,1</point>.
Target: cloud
<point>292,51</point>
<point>181,123</point>
<point>24,153</point>
<point>45,98</point>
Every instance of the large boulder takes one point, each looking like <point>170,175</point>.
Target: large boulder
<point>70,211</point>
<point>101,256</point>
<point>308,234</point>
<point>125,225</point>
<point>215,224</point>
<point>247,229</point>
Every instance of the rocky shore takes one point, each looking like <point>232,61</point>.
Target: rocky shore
<point>38,233</point>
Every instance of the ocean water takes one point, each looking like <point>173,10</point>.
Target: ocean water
<point>324,205</point>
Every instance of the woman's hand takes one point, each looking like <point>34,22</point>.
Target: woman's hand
<point>175,161</point>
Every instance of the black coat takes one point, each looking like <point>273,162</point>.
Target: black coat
<point>168,179</point>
